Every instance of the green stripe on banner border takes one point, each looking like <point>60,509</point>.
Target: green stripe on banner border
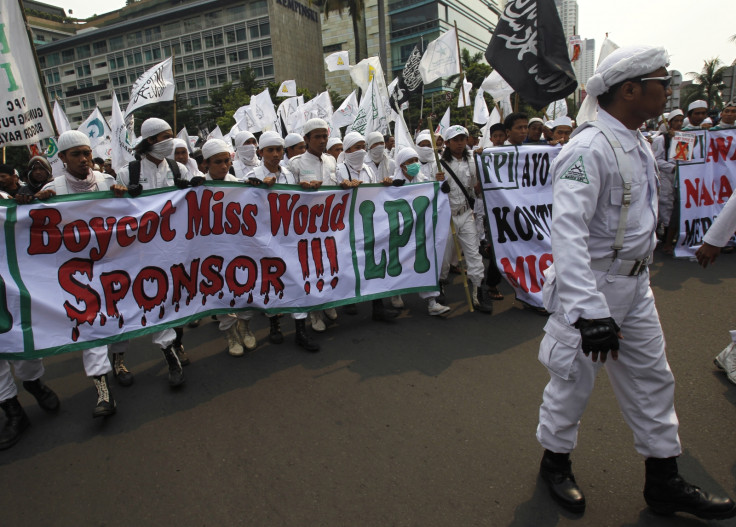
<point>25,297</point>
<point>352,243</point>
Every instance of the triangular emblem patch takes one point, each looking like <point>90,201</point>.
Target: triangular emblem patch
<point>340,61</point>
<point>576,172</point>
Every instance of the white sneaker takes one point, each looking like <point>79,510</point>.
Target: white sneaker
<point>720,360</point>
<point>246,335</point>
<point>318,324</point>
<point>434,309</point>
<point>331,313</point>
<point>397,302</point>
<point>730,363</point>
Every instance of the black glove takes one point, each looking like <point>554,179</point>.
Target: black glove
<point>134,190</point>
<point>600,335</point>
<point>181,183</point>
<point>398,182</point>
<point>196,181</point>
<point>445,187</point>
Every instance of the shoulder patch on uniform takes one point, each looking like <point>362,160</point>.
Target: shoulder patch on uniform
<point>576,172</point>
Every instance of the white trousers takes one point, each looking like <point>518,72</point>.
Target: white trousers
<point>96,362</point>
<point>163,339</point>
<point>229,320</point>
<point>641,377</point>
<point>25,370</point>
<point>666,196</point>
<point>467,236</point>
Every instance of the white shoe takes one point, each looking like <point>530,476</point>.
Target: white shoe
<point>246,335</point>
<point>730,363</point>
<point>331,313</point>
<point>234,347</point>
<point>397,302</point>
<point>720,360</point>
<point>318,324</point>
<point>434,309</point>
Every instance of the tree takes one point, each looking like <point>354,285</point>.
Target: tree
<point>356,10</point>
<point>708,84</point>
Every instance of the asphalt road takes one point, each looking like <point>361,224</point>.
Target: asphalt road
<point>425,422</point>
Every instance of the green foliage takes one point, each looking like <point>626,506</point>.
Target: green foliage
<point>707,84</point>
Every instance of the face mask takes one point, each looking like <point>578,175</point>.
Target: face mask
<point>413,169</point>
<point>425,154</point>
<point>162,149</point>
<point>355,159</point>
<point>247,154</point>
<point>376,153</point>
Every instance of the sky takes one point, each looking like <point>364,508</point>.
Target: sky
<point>690,36</point>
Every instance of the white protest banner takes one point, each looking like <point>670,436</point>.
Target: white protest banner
<point>184,136</point>
<point>320,106</point>
<point>441,59</point>
<point>60,119</point>
<point>96,128</point>
<point>155,85</point>
<point>286,108</point>
<point>517,189</point>
<point>52,156</point>
<point>24,114</point>
<point>463,98</point>
<point>122,138</point>
<point>337,61</point>
<point>706,183</point>
<point>480,108</point>
<point>444,123</point>
<point>97,269</point>
<point>496,86</point>
<point>215,134</point>
<point>287,89</point>
<point>346,113</point>
<point>265,112</point>
<point>371,116</point>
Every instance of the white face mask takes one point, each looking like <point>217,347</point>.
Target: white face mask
<point>163,149</point>
<point>376,153</point>
<point>425,154</point>
<point>247,154</point>
<point>355,159</point>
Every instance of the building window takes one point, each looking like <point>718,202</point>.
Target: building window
<point>236,12</point>
<point>168,48</point>
<point>210,41</point>
<point>153,34</point>
<point>67,55</point>
<point>180,85</point>
<point>116,63</point>
<point>83,52</point>
<point>83,70</point>
<point>212,19</point>
<point>52,59</point>
<point>236,35</point>
<point>135,58</point>
<point>52,77</point>
<point>116,43</point>
<point>201,83</point>
<point>178,68</point>
<point>99,47</point>
<point>40,38</point>
<point>193,45</point>
<point>172,29</point>
<point>152,54</point>
<point>192,24</point>
<point>268,70</point>
<point>134,38</point>
<point>218,60</point>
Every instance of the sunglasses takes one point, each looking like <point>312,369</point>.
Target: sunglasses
<point>666,80</point>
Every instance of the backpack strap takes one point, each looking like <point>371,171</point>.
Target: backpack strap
<point>174,167</point>
<point>134,172</point>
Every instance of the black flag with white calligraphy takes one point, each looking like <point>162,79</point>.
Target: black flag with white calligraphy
<point>410,80</point>
<point>529,50</point>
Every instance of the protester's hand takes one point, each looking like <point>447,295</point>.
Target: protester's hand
<point>707,254</point>
<point>346,184</point>
<point>315,184</point>
<point>305,184</point>
<point>387,182</point>
<point>181,184</point>
<point>478,151</point>
<point>599,336</point>
<point>269,181</point>
<point>439,176</point>
<point>197,181</point>
<point>23,199</point>
<point>134,190</point>
<point>119,190</point>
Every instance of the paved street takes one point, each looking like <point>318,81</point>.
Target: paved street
<point>425,422</point>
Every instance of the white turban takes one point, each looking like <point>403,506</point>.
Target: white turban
<point>242,137</point>
<point>404,155</point>
<point>424,136</point>
<point>333,141</point>
<point>697,104</point>
<point>179,143</point>
<point>351,139</point>
<point>314,124</point>
<point>454,131</point>
<point>213,147</point>
<point>622,64</point>
<point>270,139</point>
<point>70,139</point>
<point>373,138</point>
<point>153,126</point>
<point>292,139</point>
<point>673,114</point>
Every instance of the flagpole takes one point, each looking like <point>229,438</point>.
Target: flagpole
<point>421,104</point>
<point>38,71</point>
<point>462,77</point>
<point>458,252</point>
<point>173,69</point>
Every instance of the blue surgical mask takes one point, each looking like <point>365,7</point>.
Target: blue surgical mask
<point>412,169</point>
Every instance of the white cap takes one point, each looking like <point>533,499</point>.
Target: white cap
<point>622,64</point>
<point>292,139</point>
<point>242,137</point>
<point>215,146</point>
<point>536,120</point>
<point>563,120</point>
<point>270,139</point>
<point>673,114</point>
<point>333,141</point>
<point>153,126</point>
<point>424,136</point>
<point>454,131</point>
<point>373,138</point>
<point>731,103</point>
<point>70,139</point>
<point>179,143</point>
<point>707,120</point>
<point>315,124</point>
<point>351,139</point>
<point>697,104</point>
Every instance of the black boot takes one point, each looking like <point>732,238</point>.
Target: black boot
<point>302,338</point>
<point>179,347</point>
<point>275,335</point>
<point>556,471</point>
<point>382,313</point>
<point>441,299</point>
<point>482,302</point>
<point>176,373</point>
<point>105,402</point>
<point>44,395</point>
<point>120,371</point>
<point>17,422</point>
<point>666,493</point>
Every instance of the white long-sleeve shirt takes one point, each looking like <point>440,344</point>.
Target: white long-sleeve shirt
<point>152,175</point>
<point>308,167</point>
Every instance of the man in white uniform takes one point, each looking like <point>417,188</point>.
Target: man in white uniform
<point>597,290</point>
